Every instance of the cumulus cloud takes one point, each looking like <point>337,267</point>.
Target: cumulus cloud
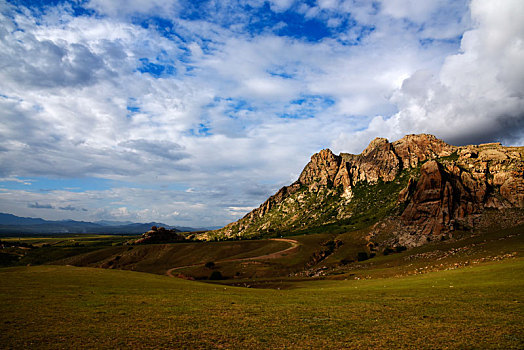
<point>71,208</point>
<point>478,93</point>
<point>118,8</point>
<point>36,205</point>
<point>206,108</point>
<point>156,148</point>
<point>15,179</point>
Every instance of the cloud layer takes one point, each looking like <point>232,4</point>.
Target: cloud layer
<point>477,95</point>
<point>192,113</point>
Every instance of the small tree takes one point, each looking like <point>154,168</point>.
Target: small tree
<point>210,265</point>
<point>216,275</point>
<point>400,248</point>
<point>388,251</point>
<point>361,256</point>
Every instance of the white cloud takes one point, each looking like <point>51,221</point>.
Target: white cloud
<point>478,94</point>
<point>15,179</point>
<point>417,11</point>
<point>236,113</point>
<point>280,5</point>
<point>117,8</point>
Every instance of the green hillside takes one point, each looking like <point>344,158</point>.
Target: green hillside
<point>322,255</point>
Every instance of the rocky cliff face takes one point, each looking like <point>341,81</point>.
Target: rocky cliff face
<point>413,190</point>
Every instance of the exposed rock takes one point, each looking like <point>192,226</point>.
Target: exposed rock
<point>159,235</point>
<point>513,191</point>
<point>321,170</point>
<point>407,192</point>
<point>413,149</point>
<point>437,202</point>
<point>418,188</point>
<point>377,161</point>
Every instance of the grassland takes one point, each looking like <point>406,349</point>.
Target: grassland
<point>311,258</point>
<point>69,307</point>
<point>461,293</point>
<point>41,249</point>
<point>158,258</point>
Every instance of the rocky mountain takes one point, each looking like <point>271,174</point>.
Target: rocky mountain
<point>408,192</point>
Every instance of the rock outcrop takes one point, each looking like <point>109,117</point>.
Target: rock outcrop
<point>418,189</point>
<point>159,235</point>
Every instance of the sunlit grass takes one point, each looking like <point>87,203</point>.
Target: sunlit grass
<point>67,307</point>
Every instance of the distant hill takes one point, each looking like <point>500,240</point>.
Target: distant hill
<point>112,223</point>
<point>10,219</point>
<point>15,225</point>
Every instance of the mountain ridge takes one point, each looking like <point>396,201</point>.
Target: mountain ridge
<point>418,188</point>
<point>12,224</point>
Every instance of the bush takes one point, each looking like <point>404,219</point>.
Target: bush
<point>400,248</point>
<point>216,275</point>
<point>209,265</point>
<point>388,251</point>
<point>361,256</point>
<point>345,261</point>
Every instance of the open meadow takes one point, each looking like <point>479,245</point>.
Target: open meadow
<point>69,307</point>
<point>307,291</point>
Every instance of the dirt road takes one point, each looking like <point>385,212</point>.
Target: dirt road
<point>275,255</point>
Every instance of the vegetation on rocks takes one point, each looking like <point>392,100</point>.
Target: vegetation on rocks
<point>418,189</point>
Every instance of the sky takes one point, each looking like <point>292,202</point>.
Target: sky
<point>194,112</point>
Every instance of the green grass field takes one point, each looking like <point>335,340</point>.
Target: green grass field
<point>71,307</point>
<point>46,248</point>
<point>341,263</point>
<point>158,258</point>
<point>464,293</point>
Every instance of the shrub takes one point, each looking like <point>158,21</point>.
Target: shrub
<point>361,256</point>
<point>210,265</point>
<point>388,251</point>
<point>216,275</point>
<point>345,261</point>
<point>400,248</point>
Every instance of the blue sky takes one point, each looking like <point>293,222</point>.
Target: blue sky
<point>193,112</point>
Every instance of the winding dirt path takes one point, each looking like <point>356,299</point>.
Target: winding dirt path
<point>275,255</point>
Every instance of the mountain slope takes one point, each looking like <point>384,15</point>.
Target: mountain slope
<point>416,189</point>
<point>10,219</point>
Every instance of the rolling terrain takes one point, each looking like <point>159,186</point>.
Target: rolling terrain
<point>321,292</point>
<point>318,256</point>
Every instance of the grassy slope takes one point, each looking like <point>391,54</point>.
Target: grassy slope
<point>68,307</point>
<point>50,248</point>
<point>449,254</point>
<point>158,258</point>
<point>327,211</point>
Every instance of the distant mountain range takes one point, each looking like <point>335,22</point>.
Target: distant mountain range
<point>12,224</point>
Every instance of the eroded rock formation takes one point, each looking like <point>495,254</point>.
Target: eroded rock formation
<point>418,188</point>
